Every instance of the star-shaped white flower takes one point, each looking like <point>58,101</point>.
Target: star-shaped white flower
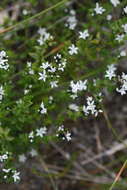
<point>84,34</point>
<point>16,176</point>
<point>41,132</point>
<point>43,76</point>
<point>98,9</point>
<point>110,72</point>
<point>73,49</point>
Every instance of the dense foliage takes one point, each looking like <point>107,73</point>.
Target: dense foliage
<point>55,65</point>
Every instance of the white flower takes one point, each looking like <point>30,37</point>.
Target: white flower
<point>54,84</point>
<point>121,91</point>
<point>6,170</point>
<point>122,53</point>
<point>42,31</point>
<point>26,91</point>
<point>124,26</point>
<point>119,37</point>
<point>84,34</point>
<point>43,109</point>
<point>16,176</point>
<point>44,36</point>
<point>40,41</point>
<point>110,72</point>
<point>25,12</point>
<point>115,2</point>
<point>41,132</point>
<point>74,107</point>
<point>31,72</point>
<point>85,110</point>
<point>98,9</point>
<point>78,86</point>
<point>91,107</point>
<point>73,49</point>
<point>29,64</point>
<point>33,153</point>
<point>68,136</point>
<point>57,57</point>
<point>43,76</point>
<point>22,158</point>
<point>125,10</point>
<point>52,69</point>
<point>109,17</point>
<point>45,65</point>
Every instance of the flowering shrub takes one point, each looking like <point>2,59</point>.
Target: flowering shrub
<point>52,74</point>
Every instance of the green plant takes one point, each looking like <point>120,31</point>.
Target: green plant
<point>54,69</point>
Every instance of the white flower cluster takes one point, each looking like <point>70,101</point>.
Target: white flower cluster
<point>44,36</point>
<point>4,157</point>
<point>50,71</point>
<point>47,68</point>
<point>67,134</point>
<point>123,81</point>
<point>23,158</point>
<point>38,133</point>
<point>62,65</point>
<point>110,72</point>
<point>91,107</point>
<point>71,20</point>
<point>78,86</point>
<point>61,62</point>
<point>3,60</point>
<point>13,173</point>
